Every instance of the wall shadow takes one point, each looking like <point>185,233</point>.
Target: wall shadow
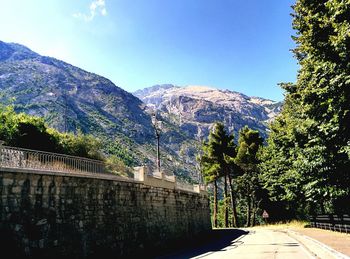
<point>213,241</point>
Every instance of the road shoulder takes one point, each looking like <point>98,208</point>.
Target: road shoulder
<point>337,243</point>
<point>316,247</point>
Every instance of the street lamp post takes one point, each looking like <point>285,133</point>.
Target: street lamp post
<point>157,127</point>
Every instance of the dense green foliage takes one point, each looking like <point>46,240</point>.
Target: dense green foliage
<point>248,184</point>
<point>233,168</point>
<point>306,163</point>
<point>25,131</point>
<point>116,149</point>
<point>31,132</point>
<point>215,164</point>
<point>115,165</point>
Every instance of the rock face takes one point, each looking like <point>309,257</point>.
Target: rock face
<point>196,108</point>
<point>71,99</point>
<point>68,97</point>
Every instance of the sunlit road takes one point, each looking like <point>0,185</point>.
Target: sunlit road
<point>257,244</point>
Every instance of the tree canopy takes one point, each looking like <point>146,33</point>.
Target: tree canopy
<point>25,131</point>
<point>307,157</point>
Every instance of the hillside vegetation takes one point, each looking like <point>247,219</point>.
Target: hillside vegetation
<point>31,132</point>
<point>70,99</point>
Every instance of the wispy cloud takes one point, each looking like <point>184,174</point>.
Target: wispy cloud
<point>97,7</point>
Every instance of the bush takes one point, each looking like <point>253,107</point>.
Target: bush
<point>31,132</point>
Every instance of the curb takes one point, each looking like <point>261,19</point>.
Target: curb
<point>326,248</point>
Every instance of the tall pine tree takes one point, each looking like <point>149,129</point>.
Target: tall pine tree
<point>249,142</point>
<point>216,164</point>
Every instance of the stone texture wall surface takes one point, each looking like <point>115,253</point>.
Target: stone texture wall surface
<point>52,216</point>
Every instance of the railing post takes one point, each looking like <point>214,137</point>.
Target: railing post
<point>1,146</point>
<point>197,188</point>
<point>20,159</point>
<point>140,173</point>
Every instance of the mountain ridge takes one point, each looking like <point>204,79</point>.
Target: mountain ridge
<point>193,104</point>
<point>72,99</point>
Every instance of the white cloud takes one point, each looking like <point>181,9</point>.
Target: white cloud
<point>97,7</point>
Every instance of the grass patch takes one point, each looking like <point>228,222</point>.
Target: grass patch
<point>290,224</point>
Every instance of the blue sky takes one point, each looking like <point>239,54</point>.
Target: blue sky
<point>229,44</point>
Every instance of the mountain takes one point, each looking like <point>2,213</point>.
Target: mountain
<point>69,97</point>
<point>72,99</point>
<point>195,108</point>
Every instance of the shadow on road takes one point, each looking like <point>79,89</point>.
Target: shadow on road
<point>214,241</point>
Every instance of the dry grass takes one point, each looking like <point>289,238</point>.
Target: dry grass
<point>284,225</point>
<point>299,225</point>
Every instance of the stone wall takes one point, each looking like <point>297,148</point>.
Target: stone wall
<point>46,215</point>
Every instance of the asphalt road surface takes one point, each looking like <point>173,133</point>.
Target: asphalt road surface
<point>256,243</point>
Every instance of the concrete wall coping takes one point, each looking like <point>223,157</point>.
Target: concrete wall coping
<point>75,174</point>
<point>140,177</point>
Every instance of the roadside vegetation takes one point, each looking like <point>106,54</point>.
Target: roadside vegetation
<point>25,131</point>
<point>232,170</point>
<point>31,132</point>
<point>289,224</point>
<point>301,169</point>
<point>304,168</point>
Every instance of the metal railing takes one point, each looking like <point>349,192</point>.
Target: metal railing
<point>12,157</point>
<point>340,223</point>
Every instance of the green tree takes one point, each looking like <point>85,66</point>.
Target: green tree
<point>323,52</point>
<point>280,157</point>
<point>249,142</point>
<point>25,131</point>
<point>216,164</point>
<point>79,144</point>
<point>211,172</point>
<point>308,148</point>
<point>115,165</point>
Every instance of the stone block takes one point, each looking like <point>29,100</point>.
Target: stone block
<point>113,214</point>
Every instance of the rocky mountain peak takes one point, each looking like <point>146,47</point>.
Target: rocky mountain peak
<point>72,99</point>
<point>49,88</point>
<point>14,51</point>
<point>195,108</point>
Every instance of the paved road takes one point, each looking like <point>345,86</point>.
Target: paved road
<point>257,244</point>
